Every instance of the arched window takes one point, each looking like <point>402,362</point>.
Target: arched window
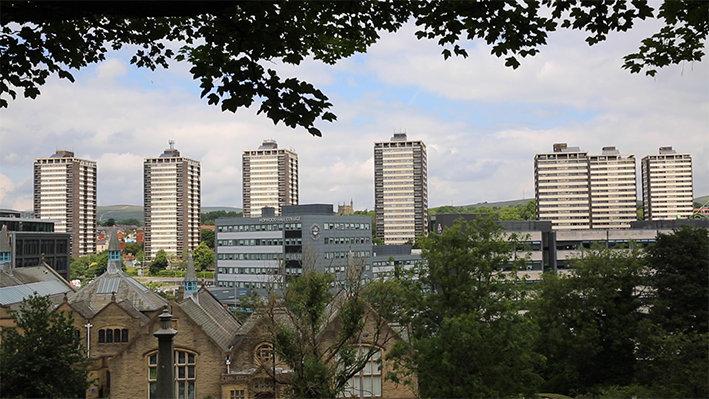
<point>185,374</point>
<point>370,378</point>
<point>264,353</point>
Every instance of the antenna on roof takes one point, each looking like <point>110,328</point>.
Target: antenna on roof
<point>172,144</point>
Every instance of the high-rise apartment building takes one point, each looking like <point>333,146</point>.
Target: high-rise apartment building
<point>579,191</point>
<point>172,201</point>
<point>613,189</point>
<point>65,191</point>
<point>561,187</point>
<point>270,178</point>
<point>667,185</point>
<point>401,189</point>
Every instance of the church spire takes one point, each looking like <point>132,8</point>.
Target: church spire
<point>190,282</point>
<point>114,254</point>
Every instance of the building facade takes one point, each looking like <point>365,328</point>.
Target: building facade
<point>576,191</point>
<point>667,185</point>
<point>270,178</point>
<point>262,253</point>
<point>65,191</point>
<point>400,189</point>
<point>561,187</point>
<point>172,203</point>
<point>613,189</point>
<point>547,249</point>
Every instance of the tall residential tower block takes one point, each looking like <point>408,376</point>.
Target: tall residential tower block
<point>667,185</point>
<point>270,176</point>
<point>172,201</point>
<point>400,189</point>
<point>579,191</point>
<point>65,191</point>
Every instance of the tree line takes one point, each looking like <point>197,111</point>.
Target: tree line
<point>619,323</point>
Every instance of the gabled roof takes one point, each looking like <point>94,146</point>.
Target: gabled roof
<point>97,293</point>
<point>218,323</point>
<point>25,281</point>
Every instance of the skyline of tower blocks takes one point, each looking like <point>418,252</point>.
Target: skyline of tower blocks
<point>270,178</point>
<point>172,203</point>
<point>668,191</point>
<point>400,189</point>
<point>65,191</point>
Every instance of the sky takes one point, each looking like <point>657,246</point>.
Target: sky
<point>482,122</point>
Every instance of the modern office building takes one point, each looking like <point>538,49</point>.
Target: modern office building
<point>561,187</point>
<point>667,185</point>
<point>401,189</point>
<point>65,191</point>
<point>270,178</point>
<point>613,189</point>
<point>33,241</point>
<point>262,253</point>
<point>172,200</point>
<point>545,248</point>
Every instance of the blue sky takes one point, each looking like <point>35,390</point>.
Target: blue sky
<point>482,122</point>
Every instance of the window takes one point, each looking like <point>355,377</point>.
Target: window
<point>370,377</point>
<point>112,335</point>
<point>185,363</point>
<point>237,394</point>
<point>264,353</point>
<point>185,374</point>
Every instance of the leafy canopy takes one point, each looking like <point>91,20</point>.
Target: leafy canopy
<point>42,357</point>
<point>229,44</point>
<point>463,302</point>
<point>589,319</point>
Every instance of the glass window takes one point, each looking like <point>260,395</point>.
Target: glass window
<point>370,378</point>
<point>264,353</point>
<point>185,375</point>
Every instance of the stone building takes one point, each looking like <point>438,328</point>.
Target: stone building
<point>215,356</point>
<point>255,372</point>
<point>117,316</point>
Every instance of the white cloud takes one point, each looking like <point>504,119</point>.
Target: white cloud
<point>482,122</point>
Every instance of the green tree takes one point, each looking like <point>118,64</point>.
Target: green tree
<point>681,280</point>
<point>160,262</point>
<point>590,321</point>
<point>207,237</point>
<point>129,222</point>
<point>323,366</point>
<point>132,248</point>
<point>110,222</point>
<point>207,218</point>
<point>42,357</point>
<point>672,365</point>
<point>470,339</point>
<point>203,257</point>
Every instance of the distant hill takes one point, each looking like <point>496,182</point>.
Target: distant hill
<point>120,212</point>
<point>206,209</point>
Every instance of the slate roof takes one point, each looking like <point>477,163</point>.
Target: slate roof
<point>190,274</point>
<point>97,293</point>
<point>217,322</point>
<point>25,281</point>
<point>113,244</point>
